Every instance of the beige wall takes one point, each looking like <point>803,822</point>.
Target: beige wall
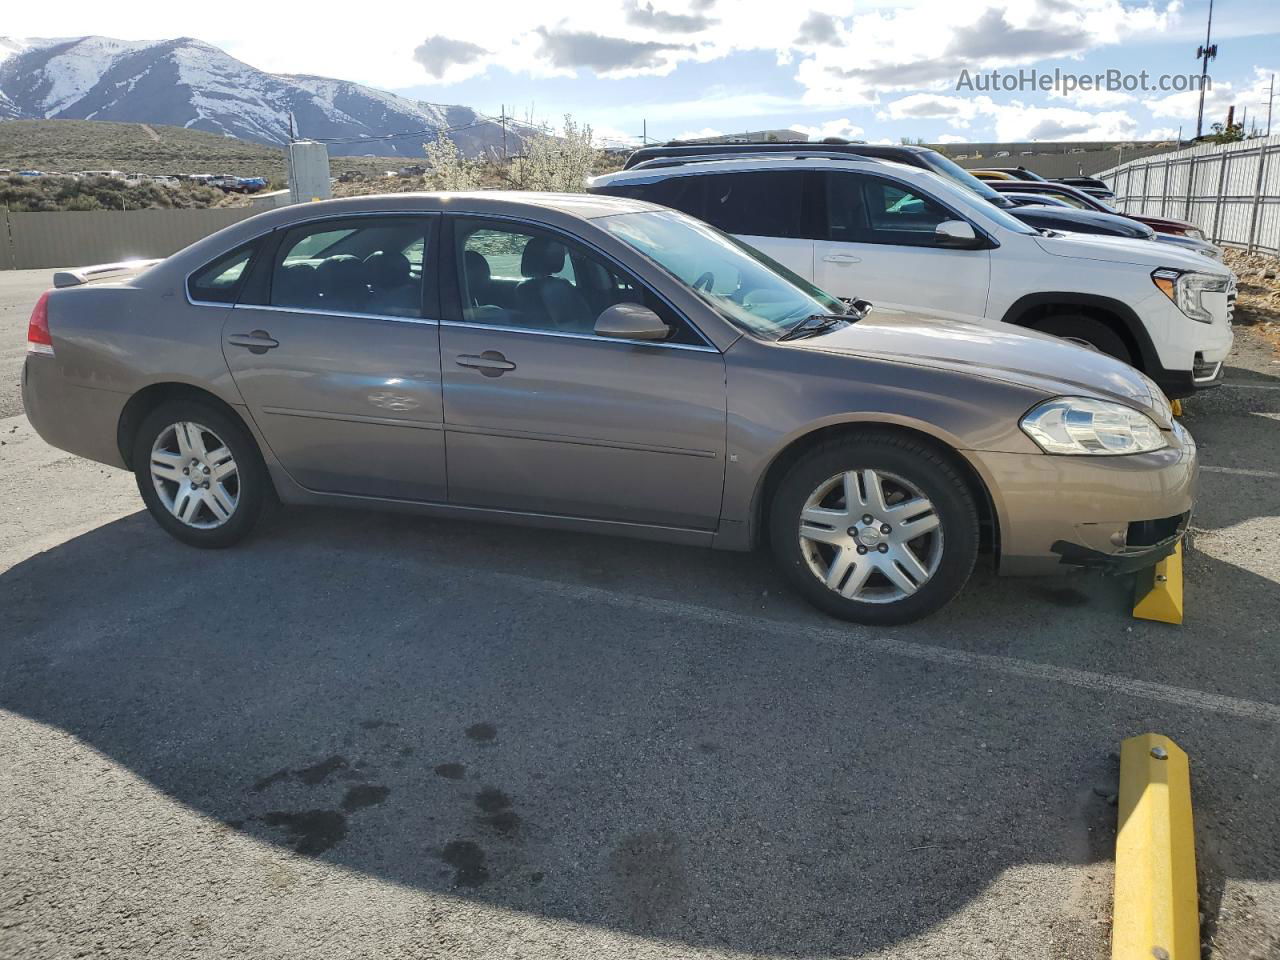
<point>30,240</point>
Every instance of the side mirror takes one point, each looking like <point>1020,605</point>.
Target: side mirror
<point>956,233</point>
<point>631,321</point>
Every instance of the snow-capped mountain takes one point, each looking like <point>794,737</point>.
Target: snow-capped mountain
<point>189,83</point>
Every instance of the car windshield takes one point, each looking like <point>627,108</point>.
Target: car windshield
<point>739,282</point>
<point>957,174</point>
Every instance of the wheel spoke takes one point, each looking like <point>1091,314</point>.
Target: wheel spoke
<point>911,563</point>
<point>184,441</point>
<point>910,529</point>
<point>220,510</point>
<point>898,578</point>
<point>874,497</point>
<point>840,564</point>
<point>223,470</point>
<point>166,466</point>
<point>857,580</point>
<point>217,494</point>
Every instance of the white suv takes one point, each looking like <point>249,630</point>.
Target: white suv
<point>903,237</point>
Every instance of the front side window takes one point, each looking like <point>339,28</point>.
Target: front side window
<point>747,288</point>
<point>366,265</point>
<point>221,280</point>
<point>522,277</point>
<point>870,210</point>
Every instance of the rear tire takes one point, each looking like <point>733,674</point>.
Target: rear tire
<point>1078,326</point>
<point>200,473</point>
<point>907,561</point>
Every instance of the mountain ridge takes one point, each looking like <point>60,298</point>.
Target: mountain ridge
<point>186,82</point>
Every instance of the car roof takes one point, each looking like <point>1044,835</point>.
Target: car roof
<point>845,149</point>
<point>645,174</point>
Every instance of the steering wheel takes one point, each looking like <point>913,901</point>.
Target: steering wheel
<point>705,282</point>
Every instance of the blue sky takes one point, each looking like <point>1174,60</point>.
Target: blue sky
<point>870,69</point>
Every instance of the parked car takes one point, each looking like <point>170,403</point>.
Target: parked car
<point>1080,199</point>
<point>1054,214</point>
<point>1011,173</point>
<point>1090,185</point>
<point>599,364</point>
<point>992,175</point>
<point>906,238</point>
<point>1082,221</point>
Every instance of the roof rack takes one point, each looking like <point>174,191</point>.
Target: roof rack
<point>827,148</point>
<point>654,163</point>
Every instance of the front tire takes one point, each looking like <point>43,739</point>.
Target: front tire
<point>879,529</point>
<point>200,473</point>
<point>1077,326</point>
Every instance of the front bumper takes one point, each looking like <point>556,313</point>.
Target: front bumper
<point>1115,513</point>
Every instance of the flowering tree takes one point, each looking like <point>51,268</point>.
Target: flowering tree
<point>449,168</point>
<point>560,164</point>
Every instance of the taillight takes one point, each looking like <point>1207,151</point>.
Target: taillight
<point>38,339</point>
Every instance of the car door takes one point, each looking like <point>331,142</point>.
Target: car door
<point>880,246</point>
<point>544,416</point>
<point>335,348</point>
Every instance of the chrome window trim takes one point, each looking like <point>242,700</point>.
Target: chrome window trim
<point>350,315</point>
<point>582,241</point>
<point>564,334</point>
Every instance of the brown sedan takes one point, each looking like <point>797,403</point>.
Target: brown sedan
<point>605,365</point>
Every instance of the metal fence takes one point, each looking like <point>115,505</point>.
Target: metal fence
<point>1231,191</point>
<point>32,240</point>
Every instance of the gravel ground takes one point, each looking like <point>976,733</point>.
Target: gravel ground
<point>365,735</point>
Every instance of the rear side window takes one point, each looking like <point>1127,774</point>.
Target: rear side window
<point>764,204</point>
<point>221,280</point>
<point>368,265</point>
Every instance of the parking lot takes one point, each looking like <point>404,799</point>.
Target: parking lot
<point>373,735</point>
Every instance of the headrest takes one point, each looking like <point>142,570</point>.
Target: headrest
<point>477,268</point>
<point>542,257</point>
<point>386,270</point>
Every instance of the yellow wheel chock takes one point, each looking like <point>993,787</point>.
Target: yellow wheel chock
<point>1157,594</point>
<point>1156,912</point>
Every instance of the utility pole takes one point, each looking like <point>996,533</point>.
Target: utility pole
<point>644,132</point>
<point>1271,97</point>
<point>1206,53</point>
<point>503,118</point>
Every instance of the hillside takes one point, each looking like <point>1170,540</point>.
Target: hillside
<point>66,145</point>
<point>192,84</point>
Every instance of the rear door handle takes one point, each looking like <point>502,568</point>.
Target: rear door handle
<point>841,258</point>
<point>490,363</point>
<point>259,341</point>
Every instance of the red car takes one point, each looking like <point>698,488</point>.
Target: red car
<point>1082,200</point>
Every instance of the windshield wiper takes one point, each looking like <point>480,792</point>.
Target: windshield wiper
<point>815,324</point>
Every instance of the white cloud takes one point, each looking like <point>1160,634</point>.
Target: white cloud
<point>842,128</point>
<point>699,134</point>
<point>950,138</point>
<point>957,111</point>
<point>1094,98</point>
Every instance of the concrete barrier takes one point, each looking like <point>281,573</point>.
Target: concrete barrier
<point>74,239</point>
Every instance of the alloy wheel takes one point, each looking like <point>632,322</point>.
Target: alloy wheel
<point>870,536</point>
<point>195,475</point>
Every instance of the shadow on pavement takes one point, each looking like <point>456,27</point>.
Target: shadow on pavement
<point>359,688</point>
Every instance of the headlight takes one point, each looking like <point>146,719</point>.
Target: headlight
<point>1083,426</point>
<point>1185,289</point>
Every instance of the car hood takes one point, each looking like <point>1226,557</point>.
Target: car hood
<point>1040,362</point>
<point>1141,253</point>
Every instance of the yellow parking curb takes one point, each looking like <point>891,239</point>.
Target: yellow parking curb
<point>1156,913</point>
<point>1158,592</point>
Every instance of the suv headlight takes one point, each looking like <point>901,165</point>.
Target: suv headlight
<point>1079,425</point>
<point>1186,289</point>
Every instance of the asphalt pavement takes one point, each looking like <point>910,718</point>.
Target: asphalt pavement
<point>369,735</point>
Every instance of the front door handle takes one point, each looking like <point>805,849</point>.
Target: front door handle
<point>841,258</point>
<point>490,363</point>
<point>259,341</point>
